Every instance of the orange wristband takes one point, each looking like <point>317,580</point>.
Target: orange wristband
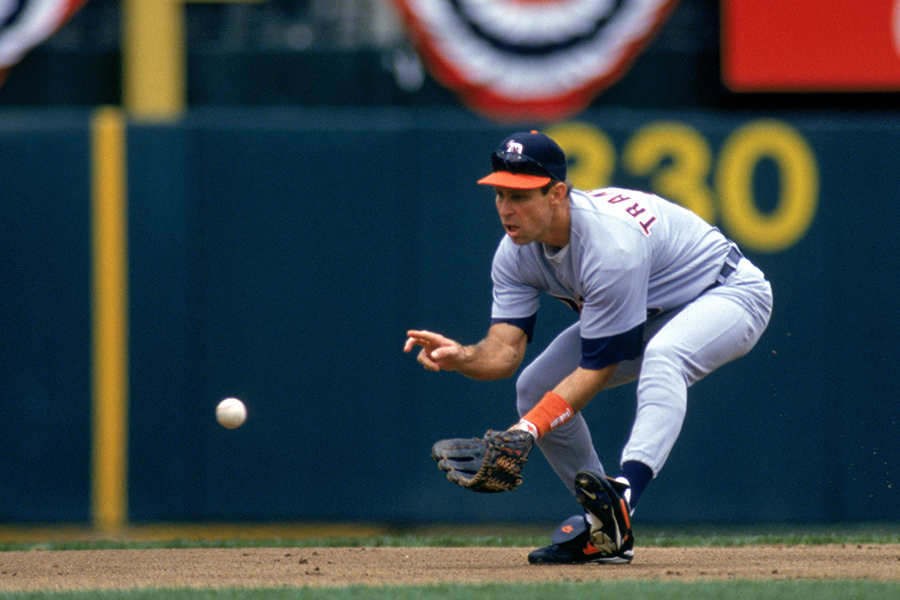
<point>551,412</point>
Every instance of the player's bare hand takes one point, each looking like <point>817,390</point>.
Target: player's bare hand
<point>438,352</point>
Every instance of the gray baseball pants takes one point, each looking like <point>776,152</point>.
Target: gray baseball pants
<point>681,347</point>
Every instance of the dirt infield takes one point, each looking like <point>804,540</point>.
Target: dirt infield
<point>297,567</point>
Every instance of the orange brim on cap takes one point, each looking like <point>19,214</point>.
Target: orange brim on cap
<point>517,181</point>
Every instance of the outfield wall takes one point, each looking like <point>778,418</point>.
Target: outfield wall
<point>279,255</point>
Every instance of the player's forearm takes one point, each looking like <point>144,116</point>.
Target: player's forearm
<point>489,360</point>
<point>583,384</point>
<point>560,404</point>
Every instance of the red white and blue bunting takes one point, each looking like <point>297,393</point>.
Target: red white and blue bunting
<point>26,23</point>
<point>530,59</point>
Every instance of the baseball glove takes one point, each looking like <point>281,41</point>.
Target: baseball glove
<point>489,464</point>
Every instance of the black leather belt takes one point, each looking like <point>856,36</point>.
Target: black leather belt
<point>730,266</point>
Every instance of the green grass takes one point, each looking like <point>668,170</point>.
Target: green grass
<point>400,541</point>
<point>509,536</point>
<point>791,535</point>
<point>735,590</point>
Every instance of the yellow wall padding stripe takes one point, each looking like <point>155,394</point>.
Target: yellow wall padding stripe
<point>154,58</point>
<point>109,454</point>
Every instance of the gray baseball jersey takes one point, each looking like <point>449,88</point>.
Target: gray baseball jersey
<point>641,271</point>
<point>630,253</point>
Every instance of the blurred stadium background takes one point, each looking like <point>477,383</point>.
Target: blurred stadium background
<point>269,223</point>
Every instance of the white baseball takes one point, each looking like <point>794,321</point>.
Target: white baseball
<point>231,413</point>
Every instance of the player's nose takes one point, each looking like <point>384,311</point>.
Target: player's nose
<point>504,207</point>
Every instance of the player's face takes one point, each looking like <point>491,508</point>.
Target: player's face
<point>526,215</point>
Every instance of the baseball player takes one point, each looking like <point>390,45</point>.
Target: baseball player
<point>664,299</point>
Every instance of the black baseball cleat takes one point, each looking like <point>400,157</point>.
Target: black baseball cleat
<point>605,499</point>
<point>571,545</point>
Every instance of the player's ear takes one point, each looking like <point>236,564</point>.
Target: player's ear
<point>559,191</point>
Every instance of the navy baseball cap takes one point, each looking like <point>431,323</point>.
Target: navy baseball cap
<point>526,160</point>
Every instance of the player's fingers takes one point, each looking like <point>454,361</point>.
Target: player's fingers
<point>426,361</point>
<point>426,337</point>
<point>445,353</point>
<point>419,338</point>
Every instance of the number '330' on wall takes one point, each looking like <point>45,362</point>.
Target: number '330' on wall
<point>679,163</point>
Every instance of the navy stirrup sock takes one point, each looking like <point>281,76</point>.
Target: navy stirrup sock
<point>638,475</point>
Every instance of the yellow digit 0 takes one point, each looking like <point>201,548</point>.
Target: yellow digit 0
<point>799,185</point>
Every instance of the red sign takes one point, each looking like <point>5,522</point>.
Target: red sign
<point>811,45</point>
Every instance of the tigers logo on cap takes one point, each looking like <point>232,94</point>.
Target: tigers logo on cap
<point>526,160</point>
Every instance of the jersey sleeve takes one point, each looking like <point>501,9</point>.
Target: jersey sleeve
<point>515,301</point>
<point>526,324</point>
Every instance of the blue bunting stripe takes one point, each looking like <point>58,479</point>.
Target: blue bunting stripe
<point>530,59</point>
